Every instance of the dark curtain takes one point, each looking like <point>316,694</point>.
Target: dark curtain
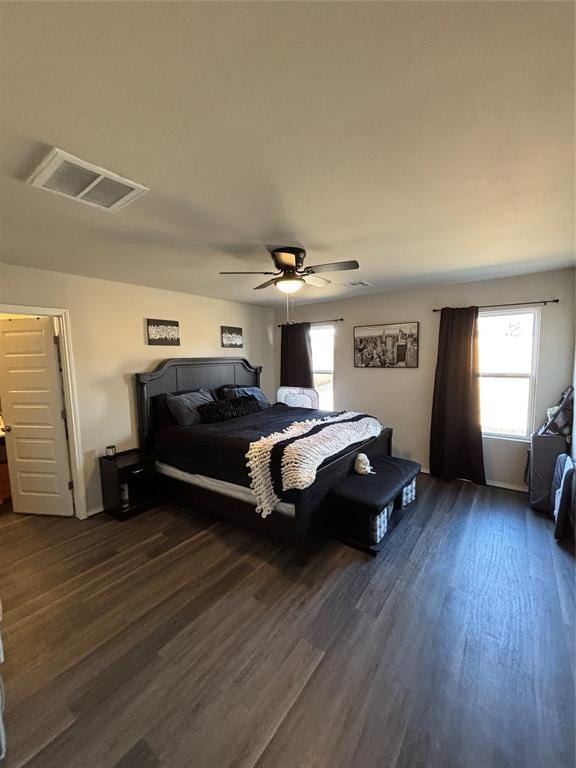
<point>296,356</point>
<point>456,435</point>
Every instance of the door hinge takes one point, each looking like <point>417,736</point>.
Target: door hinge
<point>71,485</point>
<point>63,414</point>
<point>57,340</point>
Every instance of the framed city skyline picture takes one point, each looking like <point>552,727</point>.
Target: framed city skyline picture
<point>390,345</point>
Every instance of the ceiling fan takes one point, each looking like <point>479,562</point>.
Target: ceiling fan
<point>292,275</point>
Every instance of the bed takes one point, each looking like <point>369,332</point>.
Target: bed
<point>205,464</point>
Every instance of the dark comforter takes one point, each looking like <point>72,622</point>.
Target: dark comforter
<point>219,450</point>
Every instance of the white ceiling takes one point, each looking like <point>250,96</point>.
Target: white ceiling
<point>431,141</point>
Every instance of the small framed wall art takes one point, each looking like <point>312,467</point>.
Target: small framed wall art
<point>231,337</point>
<point>163,332</point>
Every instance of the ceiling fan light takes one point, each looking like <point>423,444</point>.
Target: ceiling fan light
<point>289,284</point>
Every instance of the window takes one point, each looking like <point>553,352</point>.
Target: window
<point>322,337</point>
<point>508,343</point>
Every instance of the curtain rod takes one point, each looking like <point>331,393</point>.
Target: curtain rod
<point>316,322</point>
<point>515,304</point>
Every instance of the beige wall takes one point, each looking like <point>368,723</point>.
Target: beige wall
<point>107,322</point>
<point>574,376</point>
<point>108,337</point>
<point>403,398</point>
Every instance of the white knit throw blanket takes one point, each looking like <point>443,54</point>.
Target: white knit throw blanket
<point>301,458</point>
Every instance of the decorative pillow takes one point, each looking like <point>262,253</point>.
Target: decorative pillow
<point>161,414</point>
<point>231,392</point>
<point>222,410</point>
<point>184,407</point>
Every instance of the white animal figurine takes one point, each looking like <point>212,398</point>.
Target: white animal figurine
<point>362,465</point>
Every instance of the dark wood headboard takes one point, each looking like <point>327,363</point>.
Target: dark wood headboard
<point>183,374</point>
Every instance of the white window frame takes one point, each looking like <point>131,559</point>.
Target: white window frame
<point>532,376</point>
<point>319,326</point>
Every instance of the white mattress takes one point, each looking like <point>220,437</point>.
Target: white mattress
<point>219,486</point>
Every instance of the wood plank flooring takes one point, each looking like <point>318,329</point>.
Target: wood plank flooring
<point>176,640</point>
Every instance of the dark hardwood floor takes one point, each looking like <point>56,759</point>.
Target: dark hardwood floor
<point>177,640</point>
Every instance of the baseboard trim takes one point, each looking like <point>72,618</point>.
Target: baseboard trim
<point>508,486</point>
<point>494,483</point>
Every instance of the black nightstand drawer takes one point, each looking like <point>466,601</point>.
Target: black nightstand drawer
<point>136,470</point>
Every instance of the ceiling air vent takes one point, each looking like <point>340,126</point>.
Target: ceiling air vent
<point>69,176</point>
<point>359,284</point>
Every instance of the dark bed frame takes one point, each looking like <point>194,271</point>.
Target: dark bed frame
<point>185,374</point>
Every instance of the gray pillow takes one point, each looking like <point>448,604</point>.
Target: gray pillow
<point>231,392</point>
<point>184,407</point>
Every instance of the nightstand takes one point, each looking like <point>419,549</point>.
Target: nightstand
<point>127,487</point>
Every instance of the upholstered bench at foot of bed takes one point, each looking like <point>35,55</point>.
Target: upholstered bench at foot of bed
<point>363,509</point>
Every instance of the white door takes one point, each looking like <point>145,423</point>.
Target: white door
<point>32,409</point>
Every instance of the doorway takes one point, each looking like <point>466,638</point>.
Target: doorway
<point>40,452</point>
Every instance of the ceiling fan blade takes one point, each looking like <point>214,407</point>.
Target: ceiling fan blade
<point>266,284</point>
<point>248,273</point>
<point>317,282</point>
<point>336,266</point>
